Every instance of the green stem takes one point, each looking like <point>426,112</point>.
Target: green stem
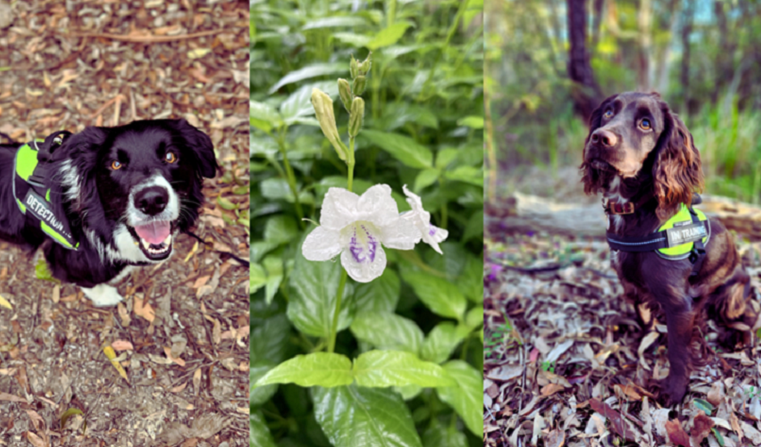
<point>452,29</point>
<point>336,312</point>
<point>350,163</point>
<point>291,177</point>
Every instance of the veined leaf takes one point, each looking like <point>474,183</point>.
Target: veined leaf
<point>264,116</point>
<point>259,435</point>
<point>379,295</point>
<point>466,397</point>
<point>388,36</point>
<point>398,368</point>
<point>334,22</point>
<point>353,416</point>
<point>441,341</point>
<point>387,330</point>
<point>319,368</point>
<point>313,288</point>
<point>438,294</point>
<point>401,147</point>
<point>308,72</point>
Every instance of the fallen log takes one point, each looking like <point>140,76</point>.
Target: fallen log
<point>525,213</point>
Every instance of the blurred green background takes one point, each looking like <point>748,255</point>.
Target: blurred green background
<point>702,56</point>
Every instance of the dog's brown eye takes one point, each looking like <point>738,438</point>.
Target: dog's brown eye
<point>170,157</point>
<point>115,165</point>
<point>608,113</point>
<point>645,124</point>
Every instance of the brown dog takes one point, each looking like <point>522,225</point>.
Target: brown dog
<point>641,157</point>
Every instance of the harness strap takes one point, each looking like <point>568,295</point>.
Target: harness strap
<point>698,253</point>
<point>693,232</point>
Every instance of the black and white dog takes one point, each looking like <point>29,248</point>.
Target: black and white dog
<point>114,198</point>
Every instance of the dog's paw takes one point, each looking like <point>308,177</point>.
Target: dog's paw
<point>671,391</point>
<point>103,295</point>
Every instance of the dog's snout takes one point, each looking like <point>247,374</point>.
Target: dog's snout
<point>152,200</point>
<point>604,137</point>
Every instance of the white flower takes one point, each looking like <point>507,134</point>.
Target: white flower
<point>422,219</point>
<point>355,227</point>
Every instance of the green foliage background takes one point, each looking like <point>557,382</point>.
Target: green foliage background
<point>529,93</point>
<point>423,128</point>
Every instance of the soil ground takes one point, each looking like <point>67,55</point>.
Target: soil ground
<point>182,333</point>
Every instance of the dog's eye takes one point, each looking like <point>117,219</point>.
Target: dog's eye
<point>170,157</point>
<point>116,165</point>
<point>645,124</point>
<point>608,113</point>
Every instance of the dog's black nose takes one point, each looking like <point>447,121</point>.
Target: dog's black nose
<point>152,200</point>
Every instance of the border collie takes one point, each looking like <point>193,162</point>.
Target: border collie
<point>114,198</point>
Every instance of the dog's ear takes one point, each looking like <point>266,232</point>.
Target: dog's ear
<point>591,177</point>
<point>677,170</point>
<point>200,145</point>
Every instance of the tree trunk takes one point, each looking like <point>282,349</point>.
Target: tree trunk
<point>586,93</point>
<point>684,75</point>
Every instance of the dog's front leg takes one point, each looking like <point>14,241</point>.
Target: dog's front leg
<point>103,295</point>
<point>680,318</point>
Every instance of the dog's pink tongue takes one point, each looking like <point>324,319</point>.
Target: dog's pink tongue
<point>154,232</point>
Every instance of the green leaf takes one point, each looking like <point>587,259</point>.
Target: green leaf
<point>475,318</point>
<point>319,368</point>
<point>466,398</point>
<point>353,39</point>
<point>274,267</point>
<point>387,330</point>
<point>259,395</point>
<point>438,435</point>
<point>388,36</point>
<point>42,271</point>
<point>425,178</point>
<point>334,22</point>
<point>299,104</point>
<point>264,116</point>
<point>438,294</point>
<point>308,72</point>
<point>258,277</point>
<point>474,122</point>
<point>401,147</point>
<point>281,229</point>
<point>719,437</point>
<point>278,189</point>
<point>468,174</point>
<point>261,248</point>
<point>445,156</point>
<point>441,341</point>
<point>269,339</point>
<point>471,282</point>
<point>379,295</point>
<point>259,435</point>
<point>408,391</point>
<point>352,416</point>
<point>398,368</point>
<point>704,405</point>
<point>312,291</point>
<point>475,226</point>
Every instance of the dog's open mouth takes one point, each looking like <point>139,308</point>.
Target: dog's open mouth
<point>154,238</point>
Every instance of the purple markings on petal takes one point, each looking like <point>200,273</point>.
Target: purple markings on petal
<point>431,230</point>
<point>357,250</point>
<point>372,244</point>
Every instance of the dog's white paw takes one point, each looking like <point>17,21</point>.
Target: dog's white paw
<point>103,295</point>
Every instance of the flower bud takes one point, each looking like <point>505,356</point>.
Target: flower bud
<point>344,91</point>
<point>353,67</point>
<point>365,66</point>
<point>323,109</point>
<point>359,85</point>
<point>356,116</point>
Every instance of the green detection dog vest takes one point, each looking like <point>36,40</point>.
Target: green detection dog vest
<point>32,197</point>
<point>682,222</point>
<point>684,236</point>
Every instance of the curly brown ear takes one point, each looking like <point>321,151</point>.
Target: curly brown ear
<point>677,171</point>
